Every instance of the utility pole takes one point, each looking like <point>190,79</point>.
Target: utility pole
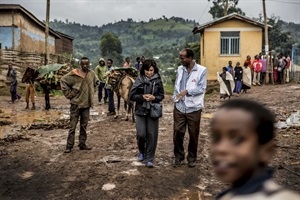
<point>269,71</point>
<point>13,29</point>
<point>47,33</point>
<point>226,8</point>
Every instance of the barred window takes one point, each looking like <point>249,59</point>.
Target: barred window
<point>230,42</point>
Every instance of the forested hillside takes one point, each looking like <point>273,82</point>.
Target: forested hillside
<point>161,37</point>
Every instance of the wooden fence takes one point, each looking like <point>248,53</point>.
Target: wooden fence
<point>20,60</point>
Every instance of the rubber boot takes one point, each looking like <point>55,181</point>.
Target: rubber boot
<point>33,106</point>
<point>27,106</point>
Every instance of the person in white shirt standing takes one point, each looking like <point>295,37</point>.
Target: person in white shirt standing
<point>189,90</point>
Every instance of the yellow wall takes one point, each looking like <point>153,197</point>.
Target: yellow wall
<point>250,44</point>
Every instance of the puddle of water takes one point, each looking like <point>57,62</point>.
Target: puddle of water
<point>94,113</point>
<point>133,172</point>
<point>28,117</point>
<point>292,120</point>
<point>108,186</point>
<point>26,175</point>
<point>136,163</point>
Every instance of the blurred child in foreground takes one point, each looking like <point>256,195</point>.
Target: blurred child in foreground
<point>242,145</point>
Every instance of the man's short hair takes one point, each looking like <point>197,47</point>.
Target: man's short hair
<point>189,53</point>
<point>263,118</point>
<point>110,60</point>
<point>84,58</point>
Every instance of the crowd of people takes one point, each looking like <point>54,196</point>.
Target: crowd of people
<point>239,79</point>
<point>242,131</point>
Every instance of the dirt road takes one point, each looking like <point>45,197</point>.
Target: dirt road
<point>33,166</point>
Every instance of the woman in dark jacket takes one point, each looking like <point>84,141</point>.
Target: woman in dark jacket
<point>147,88</point>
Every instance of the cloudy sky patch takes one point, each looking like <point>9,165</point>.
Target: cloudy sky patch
<point>99,12</point>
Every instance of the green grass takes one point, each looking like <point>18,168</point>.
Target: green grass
<point>169,89</point>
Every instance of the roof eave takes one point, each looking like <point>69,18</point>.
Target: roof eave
<point>29,14</point>
<point>201,29</point>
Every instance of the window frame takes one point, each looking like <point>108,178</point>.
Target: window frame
<point>232,42</point>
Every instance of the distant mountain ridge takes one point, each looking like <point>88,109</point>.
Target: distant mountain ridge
<point>155,37</point>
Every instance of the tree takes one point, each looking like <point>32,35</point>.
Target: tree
<point>111,47</point>
<point>279,40</point>
<point>147,53</point>
<point>221,8</point>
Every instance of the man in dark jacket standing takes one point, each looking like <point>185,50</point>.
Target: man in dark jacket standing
<point>12,76</point>
<point>79,86</point>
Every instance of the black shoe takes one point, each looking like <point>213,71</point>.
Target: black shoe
<point>191,164</point>
<point>111,113</point>
<point>68,150</point>
<point>85,148</point>
<point>105,101</point>
<point>177,163</point>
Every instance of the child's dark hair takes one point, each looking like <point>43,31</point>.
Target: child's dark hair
<point>263,118</point>
<point>146,66</point>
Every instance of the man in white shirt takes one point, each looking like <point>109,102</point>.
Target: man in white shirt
<point>188,96</point>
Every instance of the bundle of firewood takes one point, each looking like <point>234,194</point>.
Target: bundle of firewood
<point>51,74</point>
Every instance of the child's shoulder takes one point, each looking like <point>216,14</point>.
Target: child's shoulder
<point>269,190</point>
<point>272,190</point>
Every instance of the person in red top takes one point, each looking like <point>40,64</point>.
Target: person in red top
<point>127,62</point>
<point>257,66</point>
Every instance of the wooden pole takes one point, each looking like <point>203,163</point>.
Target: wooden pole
<point>268,71</point>
<point>226,8</point>
<point>13,28</point>
<point>47,32</point>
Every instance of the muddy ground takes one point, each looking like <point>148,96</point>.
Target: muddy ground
<point>33,165</point>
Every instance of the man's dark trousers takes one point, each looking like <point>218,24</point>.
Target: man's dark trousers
<point>111,103</point>
<point>75,114</point>
<point>181,120</point>
<point>100,89</point>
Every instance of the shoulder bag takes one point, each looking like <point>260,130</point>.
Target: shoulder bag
<point>155,108</point>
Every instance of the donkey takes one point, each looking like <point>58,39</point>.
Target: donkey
<point>30,75</point>
<point>121,83</point>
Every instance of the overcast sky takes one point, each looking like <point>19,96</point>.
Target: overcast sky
<point>99,12</point>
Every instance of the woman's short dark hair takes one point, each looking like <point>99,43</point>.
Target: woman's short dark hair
<point>146,66</point>
<point>263,119</point>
